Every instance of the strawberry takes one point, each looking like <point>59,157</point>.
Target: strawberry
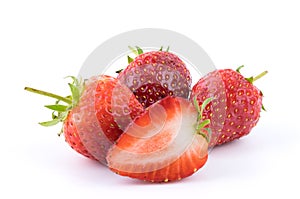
<point>165,143</point>
<point>154,75</point>
<point>94,116</point>
<point>236,106</point>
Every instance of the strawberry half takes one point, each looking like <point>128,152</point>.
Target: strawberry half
<point>154,75</point>
<point>165,143</point>
<point>236,107</point>
<point>94,116</point>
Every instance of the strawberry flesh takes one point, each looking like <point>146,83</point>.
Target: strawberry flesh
<point>161,144</point>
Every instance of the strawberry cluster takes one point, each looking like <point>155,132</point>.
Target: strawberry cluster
<point>148,123</point>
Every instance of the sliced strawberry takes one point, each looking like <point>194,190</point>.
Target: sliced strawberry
<point>162,144</point>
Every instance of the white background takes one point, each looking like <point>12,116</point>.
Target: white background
<point>40,43</point>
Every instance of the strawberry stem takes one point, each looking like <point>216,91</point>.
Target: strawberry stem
<point>260,76</point>
<point>40,92</point>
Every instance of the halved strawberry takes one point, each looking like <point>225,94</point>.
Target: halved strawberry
<point>95,115</point>
<point>165,143</point>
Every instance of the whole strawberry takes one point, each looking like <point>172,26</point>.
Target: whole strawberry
<point>236,106</point>
<point>94,115</point>
<point>154,75</point>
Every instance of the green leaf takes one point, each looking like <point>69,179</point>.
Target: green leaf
<point>75,93</point>
<point>203,124</point>
<point>57,107</point>
<point>133,50</point>
<point>239,68</point>
<point>168,49</point>
<point>50,123</point>
<point>118,71</point>
<point>204,104</point>
<point>209,133</point>
<point>129,59</point>
<point>263,108</point>
<point>139,50</point>
<point>203,135</point>
<point>54,116</point>
<point>196,104</point>
<point>161,48</point>
<point>63,116</point>
<point>250,79</point>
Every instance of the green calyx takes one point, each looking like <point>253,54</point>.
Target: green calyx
<point>202,124</point>
<point>63,105</point>
<point>253,79</point>
<point>138,51</point>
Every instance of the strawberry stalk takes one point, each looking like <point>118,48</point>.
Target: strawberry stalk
<point>40,92</point>
<point>260,76</point>
<point>61,111</point>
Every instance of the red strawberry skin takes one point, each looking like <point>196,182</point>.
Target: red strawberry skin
<point>98,119</point>
<point>236,107</point>
<point>155,75</point>
<point>160,149</point>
